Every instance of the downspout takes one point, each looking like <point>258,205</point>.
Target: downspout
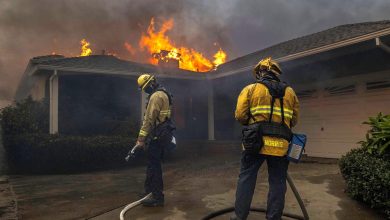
<point>380,44</point>
<point>53,104</point>
<point>210,118</point>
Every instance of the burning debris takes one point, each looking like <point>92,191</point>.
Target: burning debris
<point>168,58</point>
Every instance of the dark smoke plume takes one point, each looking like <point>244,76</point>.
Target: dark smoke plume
<point>40,27</point>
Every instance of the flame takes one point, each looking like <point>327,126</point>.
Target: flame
<point>156,42</point>
<point>219,57</point>
<point>85,50</point>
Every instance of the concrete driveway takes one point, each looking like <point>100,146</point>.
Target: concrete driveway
<point>194,186</point>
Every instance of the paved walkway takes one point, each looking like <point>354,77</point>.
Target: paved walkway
<point>195,195</point>
<point>194,188</point>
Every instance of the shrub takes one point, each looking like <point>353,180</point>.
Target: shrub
<point>367,178</point>
<point>27,116</point>
<point>42,153</point>
<point>30,149</point>
<point>378,137</point>
<point>367,169</point>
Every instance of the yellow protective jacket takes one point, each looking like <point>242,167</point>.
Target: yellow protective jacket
<point>255,100</point>
<point>157,111</point>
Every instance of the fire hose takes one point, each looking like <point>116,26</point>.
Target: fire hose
<point>132,205</point>
<point>231,209</point>
<point>131,155</point>
<point>255,209</point>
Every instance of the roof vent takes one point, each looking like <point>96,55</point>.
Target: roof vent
<point>378,85</point>
<point>310,93</point>
<point>340,90</point>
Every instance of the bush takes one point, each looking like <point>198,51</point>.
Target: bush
<point>378,137</point>
<point>27,116</point>
<point>367,178</point>
<point>30,149</point>
<point>367,169</point>
<point>42,153</point>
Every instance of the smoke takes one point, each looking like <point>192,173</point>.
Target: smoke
<point>40,27</point>
<point>259,24</point>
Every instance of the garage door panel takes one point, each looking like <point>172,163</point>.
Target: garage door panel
<point>334,123</point>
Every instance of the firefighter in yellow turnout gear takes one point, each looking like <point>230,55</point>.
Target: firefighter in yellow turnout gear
<point>156,133</point>
<point>256,107</point>
<point>158,108</point>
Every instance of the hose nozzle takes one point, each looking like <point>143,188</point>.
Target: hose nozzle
<point>133,152</point>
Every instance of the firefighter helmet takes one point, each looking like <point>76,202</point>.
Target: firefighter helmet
<point>269,65</point>
<point>144,80</point>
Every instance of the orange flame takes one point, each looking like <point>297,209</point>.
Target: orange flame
<point>157,41</point>
<point>219,57</point>
<point>85,50</point>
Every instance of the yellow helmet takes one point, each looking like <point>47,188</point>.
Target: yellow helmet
<point>144,80</point>
<point>269,65</point>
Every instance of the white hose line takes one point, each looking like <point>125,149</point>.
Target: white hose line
<point>132,205</point>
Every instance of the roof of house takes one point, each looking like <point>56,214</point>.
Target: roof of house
<point>105,64</point>
<point>309,42</point>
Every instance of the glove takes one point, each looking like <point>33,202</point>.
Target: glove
<point>133,152</point>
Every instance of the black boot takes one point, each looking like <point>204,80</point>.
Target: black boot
<point>153,202</point>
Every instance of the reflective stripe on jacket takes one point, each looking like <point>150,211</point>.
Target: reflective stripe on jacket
<point>157,111</point>
<point>255,100</point>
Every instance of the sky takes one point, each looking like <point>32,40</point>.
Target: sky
<point>34,28</point>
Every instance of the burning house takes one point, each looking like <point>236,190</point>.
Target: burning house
<point>341,75</point>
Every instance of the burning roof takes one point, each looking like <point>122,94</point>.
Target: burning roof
<point>162,50</point>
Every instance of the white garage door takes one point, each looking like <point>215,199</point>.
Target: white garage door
<point>332,118</point>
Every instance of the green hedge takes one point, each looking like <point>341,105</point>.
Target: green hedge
<point>367,169</point>
<point>25,117</point>
<point>30,149</point>
<point>368,178</point>
<point>60,154</point>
